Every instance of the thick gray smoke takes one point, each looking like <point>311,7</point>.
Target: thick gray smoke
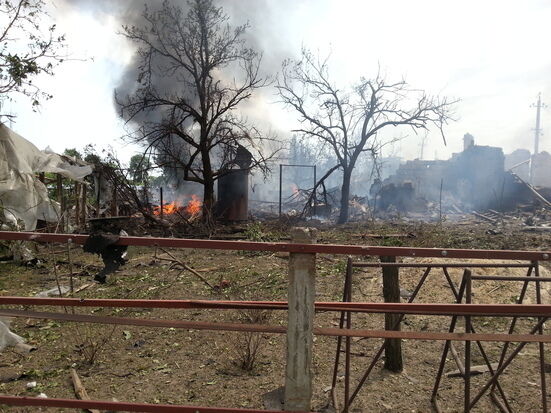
<point>262,35</point>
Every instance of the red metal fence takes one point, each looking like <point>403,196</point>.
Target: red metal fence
<point>539,311</point>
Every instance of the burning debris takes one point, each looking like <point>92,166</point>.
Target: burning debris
<point>112,255</point>
<point>190,211</point>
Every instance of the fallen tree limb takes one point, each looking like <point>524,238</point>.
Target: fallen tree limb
<point>379,236</point>
<point>80,391</point>
<point>493,221</point>
<point>321,181</point>
<point>185,266</point>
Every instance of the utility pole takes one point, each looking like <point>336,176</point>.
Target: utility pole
<point>537,131</point>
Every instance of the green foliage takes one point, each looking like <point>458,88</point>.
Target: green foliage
<point>73,153</point>
<point>138,169</point>
<point>255,232</point>
<point>391,242</point>
<point>29,46</point>
<point>259,232</point>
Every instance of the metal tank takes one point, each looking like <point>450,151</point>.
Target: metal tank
<point>233,196</point>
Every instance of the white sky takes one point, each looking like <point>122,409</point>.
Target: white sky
<point>490,54</point>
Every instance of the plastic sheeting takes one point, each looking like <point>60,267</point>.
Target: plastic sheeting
<point>22,196</point>
<point>7,338</point>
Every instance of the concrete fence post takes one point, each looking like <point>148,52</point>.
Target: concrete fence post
<point>302,274</point>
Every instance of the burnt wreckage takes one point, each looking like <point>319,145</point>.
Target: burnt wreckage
<point>478,178</point>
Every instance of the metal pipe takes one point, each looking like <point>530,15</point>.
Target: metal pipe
<point>382,347</point>
<point>447,348</point>
<point>452,285</point>
<point>98,197</point>
<point>298,166</point>
<point>505,364</point>
<point>348,340</point>
<point>511,278</point>
<point>290,247</point>
<point>467,366</point>
<point>275,329</point>
<point>479,310</point>
<point>280,186</point>
<point>447,265</point>
<point>347,278</point>
<point>118,406</point>
<point>161,209</point>
<point>513,321</point>
<point>314,190</point>
<point>541,346</point>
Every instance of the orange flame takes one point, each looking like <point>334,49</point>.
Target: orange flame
<point>167,209</point>
<point>194,206</point>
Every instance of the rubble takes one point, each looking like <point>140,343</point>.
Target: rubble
<point>54,292</point>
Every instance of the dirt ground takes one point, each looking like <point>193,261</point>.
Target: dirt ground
<point>179,366</point>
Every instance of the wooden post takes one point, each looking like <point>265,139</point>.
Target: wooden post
<point>161,209</point>
<point>83,205</point>
<point>391,293</point>
<point>114,202</point>
<point>302,274</point>
<point>98,200</point>
<point>77,204</point>
<point>61,200</point>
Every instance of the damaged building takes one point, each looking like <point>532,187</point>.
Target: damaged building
<point>477,178</point>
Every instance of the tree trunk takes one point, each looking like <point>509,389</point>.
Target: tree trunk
<point>208,198</point>
<point>345,195</point>
<point>208,186</point>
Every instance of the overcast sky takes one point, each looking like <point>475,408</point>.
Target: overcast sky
<point>493,55</point>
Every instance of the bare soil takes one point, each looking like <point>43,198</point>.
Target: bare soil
<point>203,368</point>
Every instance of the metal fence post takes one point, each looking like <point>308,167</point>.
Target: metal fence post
<point>280,186</point>
<point>302,273</point>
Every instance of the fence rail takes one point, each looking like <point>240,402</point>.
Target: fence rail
<point>119,406</point>
<point>289,247</point>
<point>540,312</point>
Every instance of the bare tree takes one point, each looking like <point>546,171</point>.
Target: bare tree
<point>28,48</point>
<point>348,120</point>
<point>193,73</point>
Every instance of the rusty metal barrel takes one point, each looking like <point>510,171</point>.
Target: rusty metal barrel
<point>233,196</point>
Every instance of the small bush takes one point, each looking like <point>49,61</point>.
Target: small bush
<point>248,344</point>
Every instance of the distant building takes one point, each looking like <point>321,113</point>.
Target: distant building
<point>472,179</point>
<point>468,141</point>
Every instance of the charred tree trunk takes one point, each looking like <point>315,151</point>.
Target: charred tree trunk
<point>345,195</point>
<point>208,186</point>
<point>208,198</point>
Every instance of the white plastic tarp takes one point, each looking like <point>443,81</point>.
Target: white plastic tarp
<point>22,195</point>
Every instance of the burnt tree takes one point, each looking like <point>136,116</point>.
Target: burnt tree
<point>193,71</point>
<point>348,120</point>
